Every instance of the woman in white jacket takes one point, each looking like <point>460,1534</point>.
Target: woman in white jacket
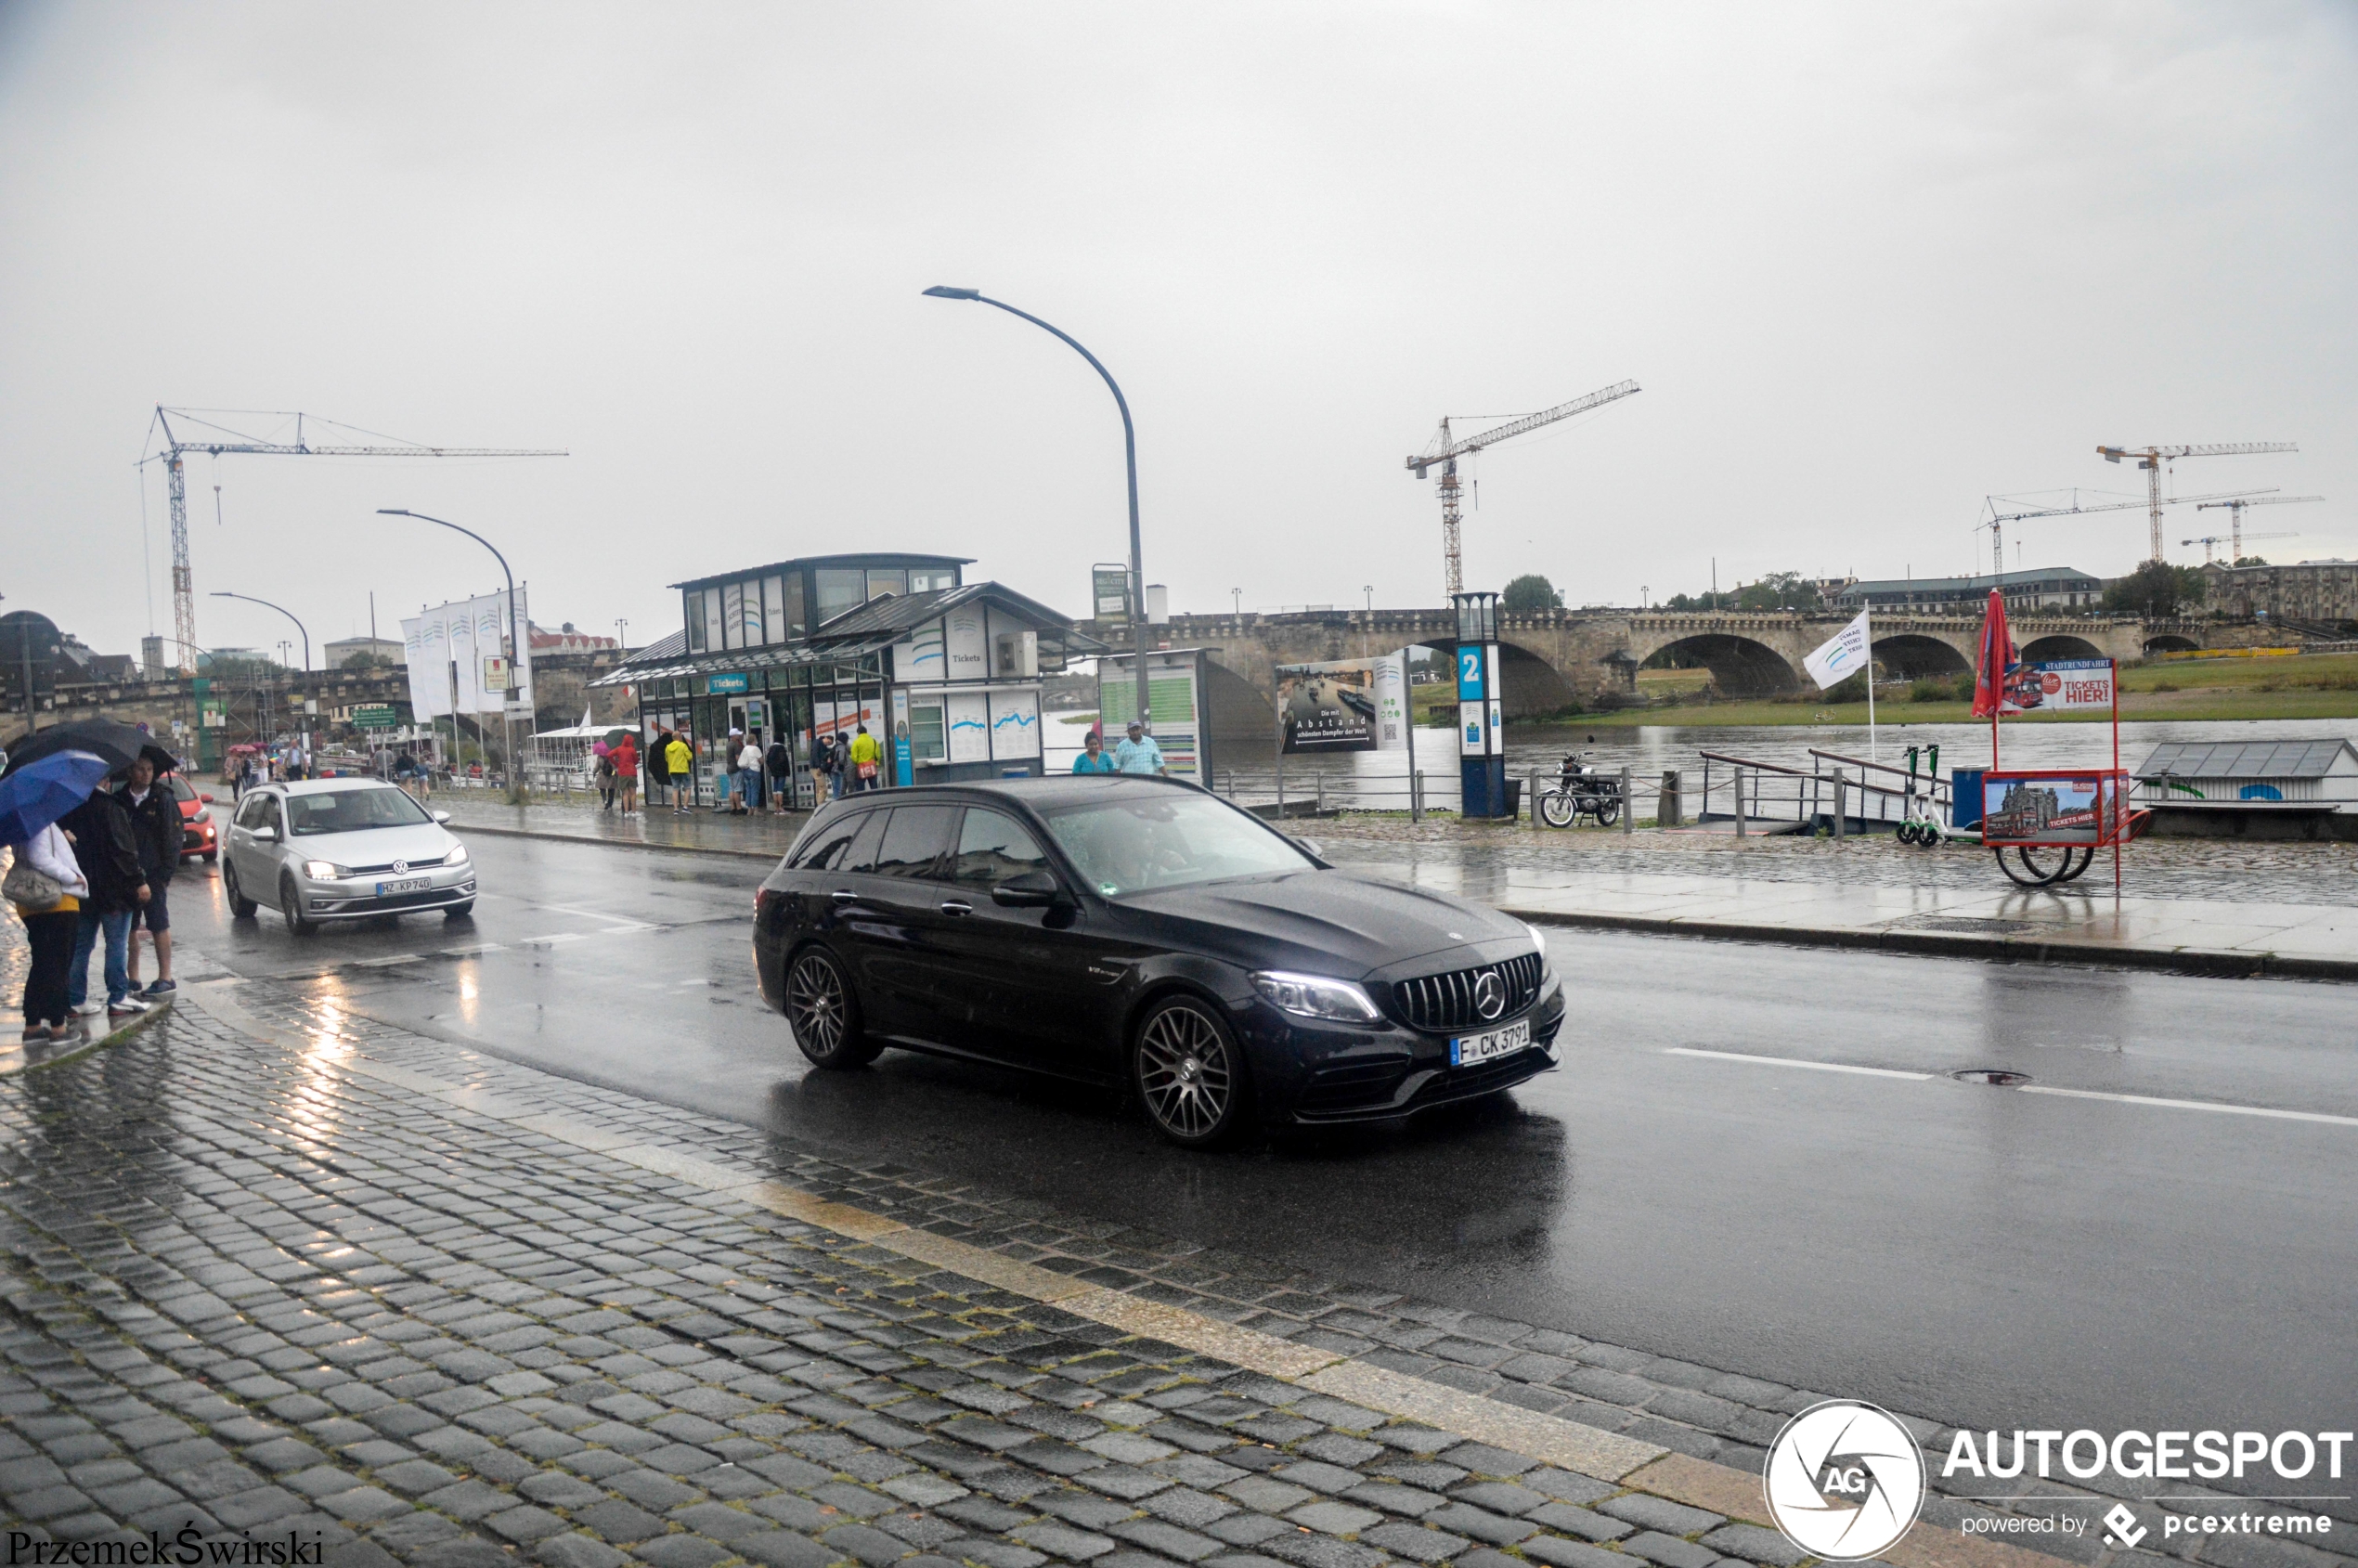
<point>49,933</point>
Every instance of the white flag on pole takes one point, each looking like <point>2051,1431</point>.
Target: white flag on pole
<point>1841,659</point>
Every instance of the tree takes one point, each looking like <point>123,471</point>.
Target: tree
<point>2251,560</point>
<point>1528,593</point>
<point>2156,589</point>
<point>364,659</point>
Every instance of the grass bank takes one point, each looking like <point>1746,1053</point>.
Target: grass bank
<point>2308,686</point>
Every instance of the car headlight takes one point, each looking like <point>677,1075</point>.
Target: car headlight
<point>325,870</point>
<point>457,854</point>
<point>1315,997</point>
<point>202,817</point>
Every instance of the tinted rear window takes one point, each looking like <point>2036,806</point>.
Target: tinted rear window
<point>863,854</point>
<point>914,841</point>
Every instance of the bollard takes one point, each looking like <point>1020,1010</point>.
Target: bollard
<point>1840,792</point>
<point>1669,808</point>
<point>1629,803</point>
<point>1739,802</point>
<point>1416,795</point>
<point>1531,796</point>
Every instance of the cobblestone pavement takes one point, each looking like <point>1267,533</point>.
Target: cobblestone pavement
<point>263,1279</point>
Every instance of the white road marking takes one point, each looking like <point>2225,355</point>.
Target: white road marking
<point>1790,1061</point>
<point>2220,1107</point>
<point>2192,1105</point>
<point>381,962</point>
<point>622,921</point>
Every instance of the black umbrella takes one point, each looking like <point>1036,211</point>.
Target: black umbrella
<point>119,744</point>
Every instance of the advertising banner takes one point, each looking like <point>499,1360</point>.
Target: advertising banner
<point>2072,686</point>
<point>904,764</point>
<point>1345,705</point>
<point>1175,706</point>
<point>2051,807</point>
<point>447,648</point>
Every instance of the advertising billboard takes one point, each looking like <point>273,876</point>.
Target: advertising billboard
<point>1345,705</point>
<point>448,652</point>
<point>2051,807</point>
<point>1175,706</point>
<point>2070,686</point>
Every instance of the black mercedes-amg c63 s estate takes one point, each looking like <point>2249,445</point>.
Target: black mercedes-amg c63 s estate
<point>1141,933</point>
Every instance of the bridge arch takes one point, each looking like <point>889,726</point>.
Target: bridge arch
<point>1913,656</point>
<point>1740,667</point>
<point>2169,643</point>
<point>2046,650</point>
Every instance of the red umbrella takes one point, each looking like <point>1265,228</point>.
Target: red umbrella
<point>1997,660</point>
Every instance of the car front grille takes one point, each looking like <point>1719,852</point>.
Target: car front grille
<point>1444,1003</point>
<point>413,865</point>
<point>1354,1086</point>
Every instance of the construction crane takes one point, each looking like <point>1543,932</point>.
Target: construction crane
<point>221,439</point>
<point>2235,528</point>
<point>2150,459</point>
<point>1998,520</point>
<point>1444,450</point>
<point>2207,540</point>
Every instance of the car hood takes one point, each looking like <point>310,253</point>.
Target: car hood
<point>376,846</point>
<point>1330,922</point>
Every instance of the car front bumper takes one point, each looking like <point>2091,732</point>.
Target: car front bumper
<point>1309,1072</point>
<point>358,898</point>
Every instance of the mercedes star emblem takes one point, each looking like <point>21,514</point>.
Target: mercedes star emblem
<point>1490,994</point>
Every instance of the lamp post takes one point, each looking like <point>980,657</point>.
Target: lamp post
<point>516,643</point>
<point>219,593</point>
<point>1130,452</point>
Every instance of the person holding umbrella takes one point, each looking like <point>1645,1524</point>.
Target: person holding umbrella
<point>52,783</point>
<point>43,882</point>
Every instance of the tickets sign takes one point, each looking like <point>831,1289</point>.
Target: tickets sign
<point>2071,686</point>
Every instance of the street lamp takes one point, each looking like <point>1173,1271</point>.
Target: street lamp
<point>219,593</point>
<point>1236,600</point>
<point>1130,452</point>
<point>515,642</point>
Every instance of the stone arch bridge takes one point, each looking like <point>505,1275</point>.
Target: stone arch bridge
<point>1557,659</point>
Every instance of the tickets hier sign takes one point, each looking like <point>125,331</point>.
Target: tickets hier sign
<point>2071,686</point>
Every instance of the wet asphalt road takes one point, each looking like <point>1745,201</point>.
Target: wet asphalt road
<point>1980,1255</point>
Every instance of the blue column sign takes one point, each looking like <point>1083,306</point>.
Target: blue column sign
<point>1482,750</point>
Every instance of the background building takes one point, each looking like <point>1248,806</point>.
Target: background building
<point>2041,587</point>
<point>2323,591</point>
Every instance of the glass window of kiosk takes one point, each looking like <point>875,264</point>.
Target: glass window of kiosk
<point>883,581</point>
<point>840,589</point>
<point>923,580</point>
<point>926,742</point>
<point>695,603</point>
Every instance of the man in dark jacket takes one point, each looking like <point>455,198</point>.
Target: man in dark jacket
<point>108,851</point>
<point>156,828</point>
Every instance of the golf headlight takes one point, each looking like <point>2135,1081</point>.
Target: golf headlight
<point>457,854</point>
<point>325,870</point>
<point>1538,938</point>
<point>1314,996</point>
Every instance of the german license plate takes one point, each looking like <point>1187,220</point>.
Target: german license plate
<point>1467,1049</point>
<point>414,885</point>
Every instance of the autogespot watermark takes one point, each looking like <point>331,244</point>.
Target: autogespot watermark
<point>1845,1480</point>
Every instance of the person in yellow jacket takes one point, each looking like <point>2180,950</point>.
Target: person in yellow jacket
<point>680,758</point>
<point>864,756</point>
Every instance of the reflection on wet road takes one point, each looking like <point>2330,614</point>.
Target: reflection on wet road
<point>1999,1258</point>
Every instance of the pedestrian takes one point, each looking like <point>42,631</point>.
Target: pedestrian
<point>1137,753</point>
<point>156,829</point>
<point>866,754</point>
<point>108,851</point>
<point>605,781</point>
<point>659,767</point>
<point>626,773</point>
<point>679,761</point>
<point>839,755</point>
<point>748,764</point>
<point>45,872</point>
<point>779,759</point>
<point>822,768</point>
<point>1093,757</point>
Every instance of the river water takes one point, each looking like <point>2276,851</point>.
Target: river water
<point>1379,780</point>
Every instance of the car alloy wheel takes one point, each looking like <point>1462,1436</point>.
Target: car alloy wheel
<point>824,1013</point>
<point>1189,1074</point>
<point>240,907</point>
<point>291,908</point>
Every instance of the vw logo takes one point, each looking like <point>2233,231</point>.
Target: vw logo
<point>400,867</point>
<point>1490,994</point>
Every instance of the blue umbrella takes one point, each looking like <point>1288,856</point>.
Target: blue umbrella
<point>37,793</point>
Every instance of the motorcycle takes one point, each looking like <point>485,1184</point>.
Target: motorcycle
<point>1579,791</point>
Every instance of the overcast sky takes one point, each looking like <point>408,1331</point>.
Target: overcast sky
<point>1871,264</point>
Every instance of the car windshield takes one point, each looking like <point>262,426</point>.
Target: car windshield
<point>351,810</point>
<point>1137,846</point>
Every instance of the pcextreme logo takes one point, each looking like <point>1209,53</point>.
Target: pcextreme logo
<point>1843,1480</point>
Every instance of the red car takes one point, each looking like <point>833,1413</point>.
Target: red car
<point>198,833</point>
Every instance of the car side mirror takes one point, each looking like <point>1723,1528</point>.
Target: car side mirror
<point>1312,848</point>
<point>207,800</point>
<point>442,816</point>
<point>1033,889</point>
<point>266,835</point>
